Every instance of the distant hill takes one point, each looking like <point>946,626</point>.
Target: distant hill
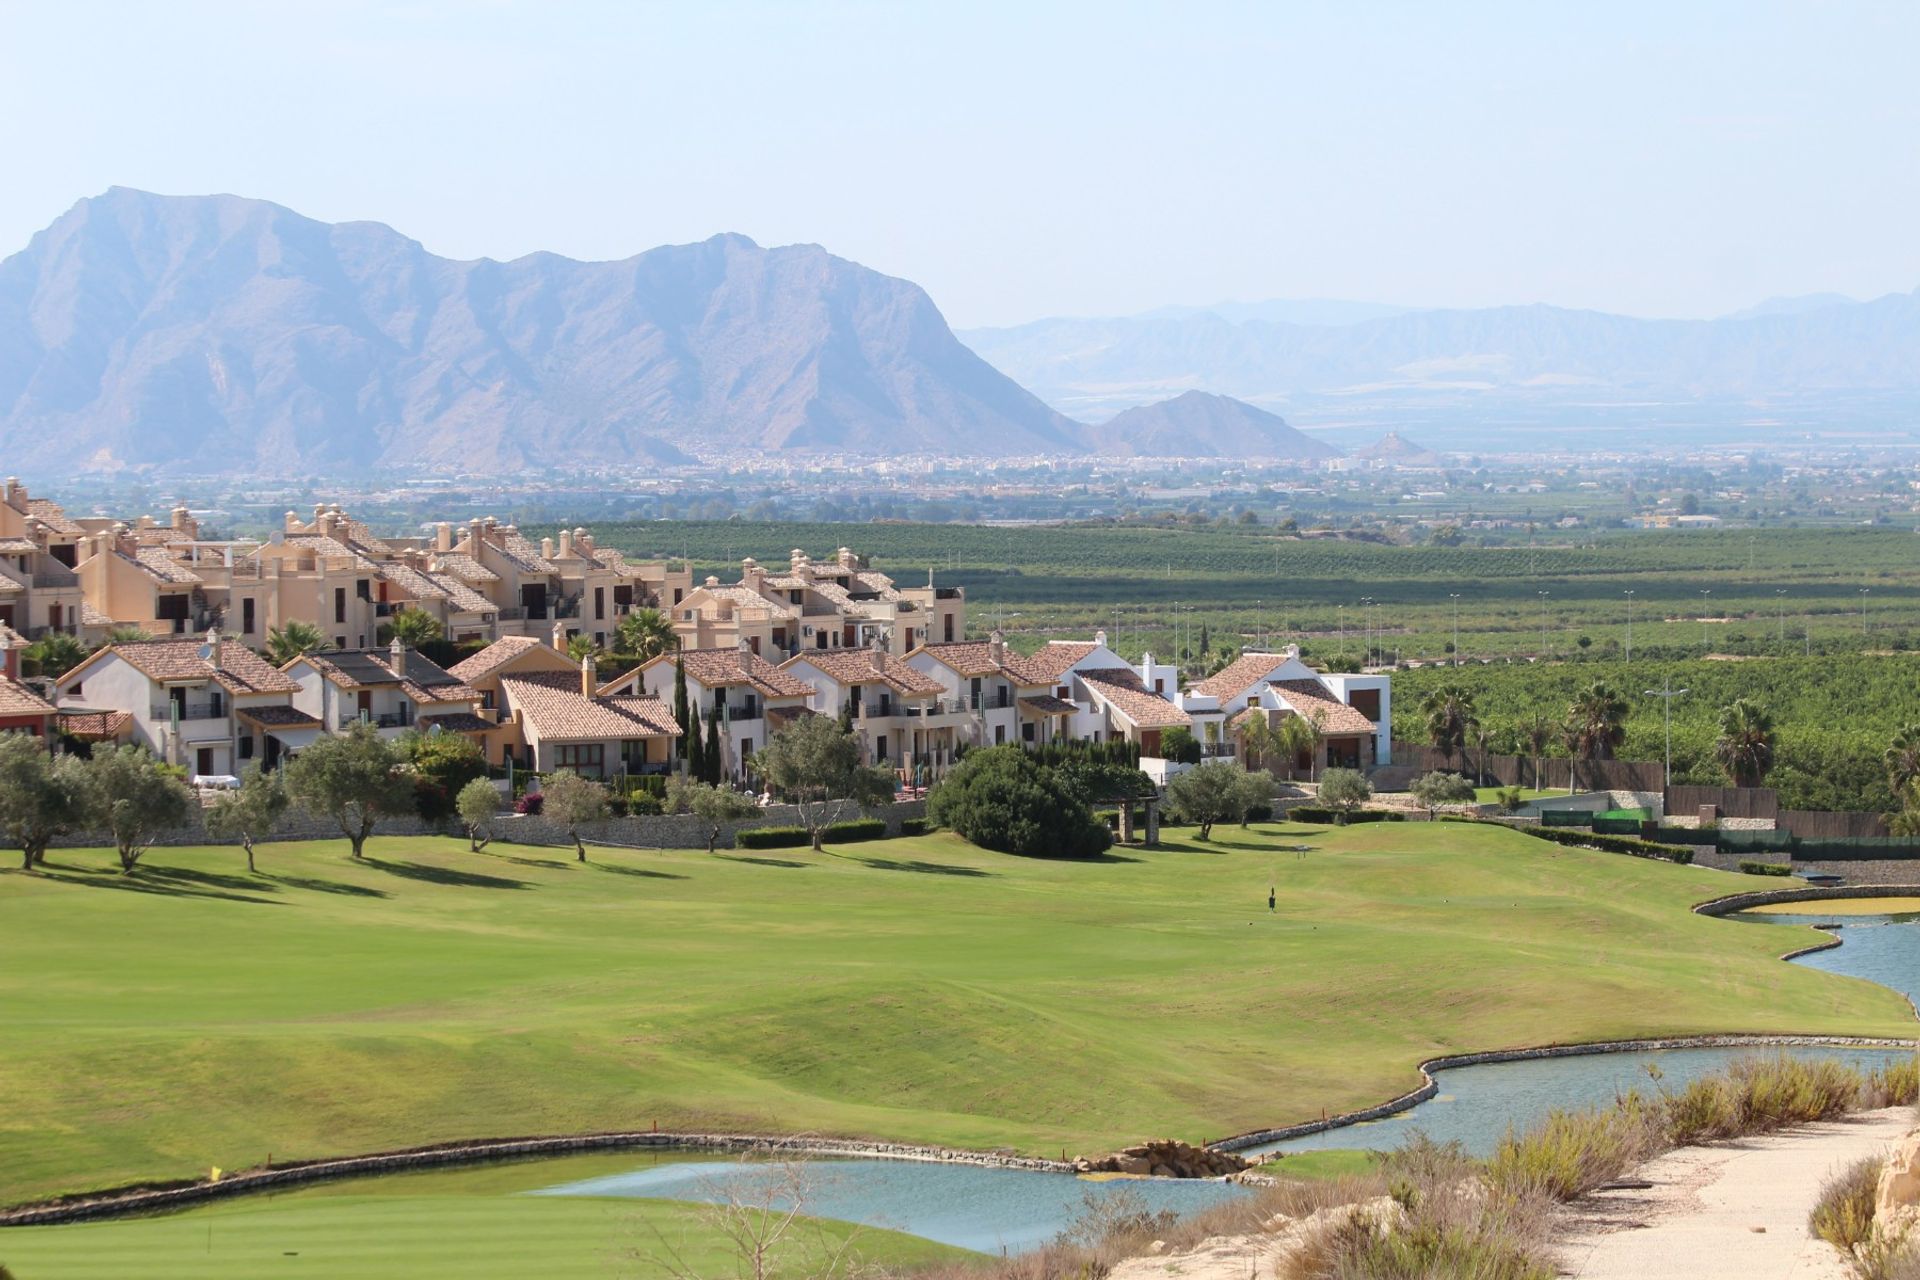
<point>1392,447</point>
<point>214,333</point>
<point>1513,363</point>
<point>1199,425</point>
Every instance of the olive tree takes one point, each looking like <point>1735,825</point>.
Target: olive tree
<point>352,779</point>
<point>478,805</point>
<point>714,806</point>
<point>572,800</point>
<point>814,764</point>
<point>250,812</point>
<point>136,798</point>
<point>1344,790</point>
<point>41,796</point>
<point>1435,789</point>
<point>1216,793</point>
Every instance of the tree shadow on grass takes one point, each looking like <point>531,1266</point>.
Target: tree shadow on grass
<point>203,879</point>
<point>143,881</point>
<point>920,867</point>
<point>446,875</point>
<point>518,860</point>
<point>761,862</point>
<point>331,886</point>
<point>641,872</point>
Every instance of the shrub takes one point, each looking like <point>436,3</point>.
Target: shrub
<point>1317,814</point>
<point>1581,839</point>
<point>915,826</point>
<point>644,804</point>
<point>857,829</point>
<point>1843,1216</point>
<point>1571,1152</point>
<point>1004,799</point>
<point>1259,813</point>
<point>771,838</point>
<point>1765,868</point>
<point>530,804</point>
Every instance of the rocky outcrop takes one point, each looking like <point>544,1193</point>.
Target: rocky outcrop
<point>1896,1203</point>
<point>1166,1158</point>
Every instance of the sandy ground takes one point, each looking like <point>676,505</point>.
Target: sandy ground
<point>1736,1211</point>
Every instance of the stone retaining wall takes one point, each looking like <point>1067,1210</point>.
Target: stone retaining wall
<point>1733,902</point>
<point>1429,1087</point>
<point>175,1195</point>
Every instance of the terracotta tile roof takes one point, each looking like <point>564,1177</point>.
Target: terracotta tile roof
<point>92,617</point>
<point>457,722</point>
<point>1311,699</point>
<point>856,667</point>
<point>974,658</point>
<point>743,597</point>
<point>52,514</point>
<point>11,639</point>
<point>10,581</point>
<point>425,680</point>
<point>1120,689</point>
<point>1240,675</point>
<point>524,555</point>
<point>551,701</point>
<point>241,669</point>
<point>95,726</point>
<point>18,546</point>
<point>1053,658</point>
<point>324,547</point>
<point>277,717</point>
<point>416,584</point>
<point>460,565</point>
<point>1047,705</point>
<point>737,668</point>
<point>493,657</point>
<point>160,565</point>
<point>18,700</point>
<point>608,558</point>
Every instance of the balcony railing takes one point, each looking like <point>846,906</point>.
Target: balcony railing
<point>189,711</point>
<point>390,720</point>
<point>745,711</point>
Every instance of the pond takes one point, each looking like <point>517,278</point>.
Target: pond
<point>1882,948</point>
<point>972,1206</point>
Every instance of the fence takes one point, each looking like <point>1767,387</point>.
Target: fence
<point>1732,802</point>
<point>1816,824</point>
<point>1552,774</point>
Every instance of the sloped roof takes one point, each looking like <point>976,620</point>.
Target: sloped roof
<point>333,549</point>
<point>95,726</point>
<point>736,668</point>
<point>551,701</point>
<point>1047,705</point>
<point>160,565</point>
<point>975,658</point>
<point>11,639</point>
<point>1311,699</point>
<point>456,722</point>
<point>52,514</point>
<point>424,681</point>
<point>741,597</point>
<point>18,700</point>
<point>241,669</point>
<point>523,554</point>
<point>279,717</point>
<point>1240,675</point>
<point>1053,658</point>
<point>412,581</point>
<point>1121,690</point>
<point>856,667</point>
<point>497,655</point>
<point>462,566</point>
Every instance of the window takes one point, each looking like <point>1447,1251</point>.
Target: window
<point>363,589</point>
<point>622,595</point>
<point>246,747</point>
<point>880,747</point>
<point>676,595</point>
<point>246,616</point>
<point>1000,734</point>
<point>948,620</point>
<point>339,642</point>
<point>583,757</point>
<point>75,689</point>
<point>203,762</point>
<point>1366,702</point>
<point>340,609</point>
<point>599,602</point>
<point>172,608</point>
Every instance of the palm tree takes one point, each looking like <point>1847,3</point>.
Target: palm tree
<point>1297,736</point>
<point>581,647</point>
<point>1745,745</point>
<point>1259,741</point>
<point>1450,719</point>
<point>1902,759</point>
<point>56,653</point>
<point>645,633</point>
<point>1537,733</point>
<point>1483,743</point>
<point>1596,723</point>
<point>291,639</point>
<point>127,633</point>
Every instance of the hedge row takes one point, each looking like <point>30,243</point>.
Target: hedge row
<point>1766,868</point>
<point>1582,839</point>
<point>1316,814</point>
<point>795,837</point>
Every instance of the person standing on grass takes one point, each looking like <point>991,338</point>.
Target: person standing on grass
<point>1270,898</point>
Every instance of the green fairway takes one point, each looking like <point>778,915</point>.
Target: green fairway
<point>470,1224</point>
<point>192,1015</point>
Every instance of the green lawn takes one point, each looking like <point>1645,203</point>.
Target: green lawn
<point>192,1015</point>
<point>465,1224</point>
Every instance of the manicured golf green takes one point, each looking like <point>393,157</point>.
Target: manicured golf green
<point>470,1224</point>
<point>193,1015</point>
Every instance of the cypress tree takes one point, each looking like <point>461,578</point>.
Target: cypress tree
<point>715,753</point>
<point>682,708</point>
<point>694,749</point>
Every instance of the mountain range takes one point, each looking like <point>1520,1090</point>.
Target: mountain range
<point>1815,351</point>
<point>213,334</point>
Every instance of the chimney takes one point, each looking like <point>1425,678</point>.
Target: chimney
<point>589,677</point>
<point>397,658</point>
<point>319,511</point>
<point>745,657</point>
<point>751,573</point>
<point>15,494</point>
<point>443,536</point>
<point>289,523</point>
<point>566,544</point>
<point>847,559</point>
<point>878,657</point>
<point>1100,638</point>
<point>585,540</point>
<point>182,519</point>
<point>559,635</point>
<point>546,547</point>
<point>996,647</point>
<point>796,557</point>
<point>213,647</point>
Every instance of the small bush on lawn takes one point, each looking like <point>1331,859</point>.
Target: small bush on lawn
<point>530,804</point>
<point>1765,868</point>
<point>1259,813</point>
<point>1002,798</point>
<point>915,826</point>
<point>1843,1216</point>
<point>1318,815</point>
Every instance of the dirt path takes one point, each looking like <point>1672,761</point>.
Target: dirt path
<point>1736,1211</point>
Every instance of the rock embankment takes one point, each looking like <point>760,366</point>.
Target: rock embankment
<point>1896,1208</point>
<point>1166,1158</point>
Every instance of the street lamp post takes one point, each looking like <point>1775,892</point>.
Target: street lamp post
<point>1455,597</point>
<point>1780,607</point>
<point>1543,624</point>
<point>1629,626</point>
<point>1705,644</point>
<point>1863,610</point>
<point>1667,694</point>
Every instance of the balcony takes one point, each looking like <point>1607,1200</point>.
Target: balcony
<point>745,711</point>
<point>165,711</point>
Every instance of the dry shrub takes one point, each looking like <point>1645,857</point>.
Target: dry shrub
<point>1572,1152</point>
<point>1895,1085</point>
<point>1843,1215</point>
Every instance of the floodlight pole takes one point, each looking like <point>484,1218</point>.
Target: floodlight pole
<point>1455,597</point>
<point>1666,695</point>
<point>1543,624</point>
<point>1629,626</point>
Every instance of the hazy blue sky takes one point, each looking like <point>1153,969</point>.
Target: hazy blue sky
<point>1030,159</point>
